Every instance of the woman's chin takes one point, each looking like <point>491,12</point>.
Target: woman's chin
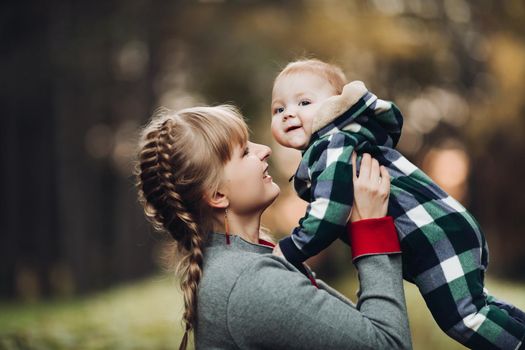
<point>276,190</point>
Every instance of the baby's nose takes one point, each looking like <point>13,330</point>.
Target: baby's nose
<point>290,113</point>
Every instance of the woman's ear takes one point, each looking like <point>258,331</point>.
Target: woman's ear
<point>217,200</point>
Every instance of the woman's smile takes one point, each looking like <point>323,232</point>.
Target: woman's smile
<point>266,176</point>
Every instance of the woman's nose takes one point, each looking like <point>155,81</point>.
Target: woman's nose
<point>263,151</point>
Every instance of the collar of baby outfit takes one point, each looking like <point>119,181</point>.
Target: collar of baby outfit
<point>336,105</point>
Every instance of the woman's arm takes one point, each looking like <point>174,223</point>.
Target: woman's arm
<point>273,306</point>
<point>293,314</point>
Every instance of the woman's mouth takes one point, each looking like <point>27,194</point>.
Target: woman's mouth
<point>266,176</point>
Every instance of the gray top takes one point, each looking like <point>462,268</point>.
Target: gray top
<point>251,299</point>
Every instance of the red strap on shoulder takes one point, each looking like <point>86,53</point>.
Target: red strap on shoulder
<point>312,280</point>
<point>266,243</point>
<point>373,236</point>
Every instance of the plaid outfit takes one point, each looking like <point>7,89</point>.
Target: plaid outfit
<point>444,251</point>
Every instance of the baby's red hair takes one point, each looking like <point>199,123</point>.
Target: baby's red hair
<point>332,73</point>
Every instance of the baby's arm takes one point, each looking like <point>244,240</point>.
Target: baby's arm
<point>380,120</point>
<point>331,199</point>
<point>390,119</point>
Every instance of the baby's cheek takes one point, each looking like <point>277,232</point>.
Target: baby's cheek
<point>275,130</point>
<point>279,137</point>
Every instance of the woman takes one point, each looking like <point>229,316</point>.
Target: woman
<point>204,182</point>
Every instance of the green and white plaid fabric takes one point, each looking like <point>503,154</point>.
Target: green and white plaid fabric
<point>444,251</point>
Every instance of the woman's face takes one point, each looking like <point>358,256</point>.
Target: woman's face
<point>246,182</point>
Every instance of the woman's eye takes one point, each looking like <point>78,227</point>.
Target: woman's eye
<point>304,103</point>
<point>246,151</point>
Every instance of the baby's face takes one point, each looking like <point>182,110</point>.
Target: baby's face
<point>295,101</point>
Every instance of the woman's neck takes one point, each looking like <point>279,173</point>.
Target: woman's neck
<point>245,226</point>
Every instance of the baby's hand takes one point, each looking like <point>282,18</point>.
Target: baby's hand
<point>277,251</point>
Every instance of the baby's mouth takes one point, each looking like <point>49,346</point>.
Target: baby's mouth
<point>292,128</point>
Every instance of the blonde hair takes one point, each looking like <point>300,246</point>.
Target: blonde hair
<point>332,73</point>
<point>180,160</point>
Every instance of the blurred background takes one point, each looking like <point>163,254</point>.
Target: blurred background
<point>79,265</point>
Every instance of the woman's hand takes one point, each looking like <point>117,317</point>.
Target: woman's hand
<point>371,189</point>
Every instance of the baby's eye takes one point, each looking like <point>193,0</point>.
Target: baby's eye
<point>246,151</point>
<point>304,103</point>
<point>278,110</point>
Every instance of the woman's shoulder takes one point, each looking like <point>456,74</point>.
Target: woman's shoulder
<point>223,268</point>
<point>226,271</point>
<point>231,280</point>
<point>228,264</point>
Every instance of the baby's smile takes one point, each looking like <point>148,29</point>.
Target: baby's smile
<point>291,128</point>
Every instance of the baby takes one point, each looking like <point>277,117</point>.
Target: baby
<point>444,251</point>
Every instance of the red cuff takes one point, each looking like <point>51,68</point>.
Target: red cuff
<point>373,236</point>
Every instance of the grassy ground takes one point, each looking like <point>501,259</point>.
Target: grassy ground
<point>145,315</point>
